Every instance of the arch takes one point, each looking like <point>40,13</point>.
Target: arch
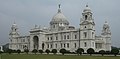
<point>35,42</point>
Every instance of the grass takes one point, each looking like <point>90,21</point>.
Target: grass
<point>39,56</point>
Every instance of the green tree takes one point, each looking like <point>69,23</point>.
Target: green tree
<point>102,52</point>
<point>26,51</point>
<point>80,51</point>
<point>9,51</point>
<point>18,51</point>
<point>41,51</point>
<point>1,52</point>
<point>54,51</point>
<point>34,51</point>
<point>90,51</point>
<point>63,51</point>
<point>115,51</point>
<point>47,51</point>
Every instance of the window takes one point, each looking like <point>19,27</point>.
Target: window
<point>61,45</point>
<point>67,36</point>
<point>64,36</point>
<point>85,44</point>
<point>56,45</point>
<point>85,17</point>
<point>67,45</point>
<point>51,38</point>
<point>93,44</point>
<point>92,34</point>
<point>85,27</point>
<point>98,45</point>
<point>56,37</point>
<point>64,45</point>
<point>75,36</point>
<point>85,34</point>
<point>51,46</point>
<point>75,45</point>
<point>47,45</point>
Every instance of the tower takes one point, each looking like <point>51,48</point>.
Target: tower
<point>106,34</point>
<point>87,30</point>
<point>13,36</point>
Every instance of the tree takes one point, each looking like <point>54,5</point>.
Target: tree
<point>115,51</point>
<point>9,51</point>
<point>54,51</point>
<point>26,51</point>
<point>1,52</point>
<point>63,51</point>
<point>102,52</point>
<point>80,51</point>
<point>90,51</point>
<point>18,51</point>
<point>47,51</point>
<point>35,51</point>
<point>41,51</point>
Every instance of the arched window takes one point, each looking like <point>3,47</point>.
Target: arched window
<point>86,17</point>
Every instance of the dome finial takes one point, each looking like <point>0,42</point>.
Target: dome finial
<point>59,10</point>
<point>59,5</point>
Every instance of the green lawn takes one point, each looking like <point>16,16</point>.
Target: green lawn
<point>39,56</point>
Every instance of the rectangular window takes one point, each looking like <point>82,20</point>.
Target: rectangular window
<point>64,36</point>
<point>47,45</point>
<point>75,45</point>
<point>64,45</point>
<point>67,36</point>
<point>61,45</point>
<point>85,34</point>
<point>51,38</point>
<point>48,38</point>
<point>85,44</point>
<point>75,36</point>
<point>67,45</point>
<point>56,45</point>
<point>56,37</point>
<point>51,46</point>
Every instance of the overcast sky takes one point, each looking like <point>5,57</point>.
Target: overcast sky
<point>27,13</point>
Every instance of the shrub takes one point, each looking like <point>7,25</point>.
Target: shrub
<point>26,51</point>
<point>63,51</point>
<point>34,51</point>
<point>18,51</point>
<point>80,51</point>
<point>102,52</point>
<point>115,51</point>
<point>9,51</point>
<point>90,51</point>
<point>47,51</point>
<point>41,51</point>
<point>54,51</point>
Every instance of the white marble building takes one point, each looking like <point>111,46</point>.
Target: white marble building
<point>61,35</point>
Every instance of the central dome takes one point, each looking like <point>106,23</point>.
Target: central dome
<point>59,18</point>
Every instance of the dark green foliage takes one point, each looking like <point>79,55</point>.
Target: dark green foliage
<point>102,52</point>
<point>63,51</point>
<point>1,52</point>
<point>90,51</point>
<point>115,51</point>
<point>35,51</point>
<point>80,51</point>
<point>47,51</point>
<point>18,51</point>
<point>9,51</point>
<point>26,51</point>
<point>54,51</point>
<point>41,51</point>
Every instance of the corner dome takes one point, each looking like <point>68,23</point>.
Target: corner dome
<point>59,18</point>
<point>87,9</point>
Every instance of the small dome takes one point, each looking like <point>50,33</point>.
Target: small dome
<point>87,9</point>
<point>59,18</point>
